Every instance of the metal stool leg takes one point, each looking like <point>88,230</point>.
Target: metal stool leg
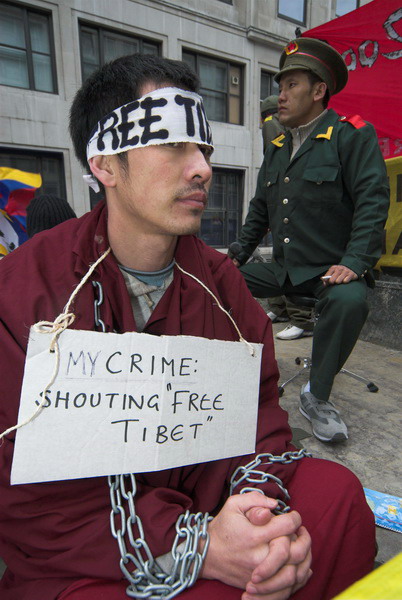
<point>306,361</point>
<point>370,385</point>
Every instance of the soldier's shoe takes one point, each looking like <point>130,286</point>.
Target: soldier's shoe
<point>275,319</point>
<point>326,422</point>
<point>291,332</point>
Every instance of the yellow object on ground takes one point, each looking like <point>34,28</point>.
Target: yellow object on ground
<point>385,583</point>
<point>392,247</point>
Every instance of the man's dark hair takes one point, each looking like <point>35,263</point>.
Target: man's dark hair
<point>119,82</point>
<point>313,78</point>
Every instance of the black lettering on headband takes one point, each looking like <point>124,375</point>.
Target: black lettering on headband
<point>125,126</point>
<point>111,129</point>
<point>203,119</point>
<point>188,103</point>
<point>148,104</point>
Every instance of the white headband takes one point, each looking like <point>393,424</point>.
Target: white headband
<point>163,116</point>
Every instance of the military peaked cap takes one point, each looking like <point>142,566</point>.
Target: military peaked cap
<point>319,57</point>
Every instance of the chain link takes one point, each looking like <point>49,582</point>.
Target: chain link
<point>251,474</point>
<point>146,578</point>
<point>97,304</point>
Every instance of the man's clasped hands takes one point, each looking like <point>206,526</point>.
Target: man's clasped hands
<point>267,555</point>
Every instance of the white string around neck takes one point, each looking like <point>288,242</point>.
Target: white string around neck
<point>241,338</point>
<point>64,320</point>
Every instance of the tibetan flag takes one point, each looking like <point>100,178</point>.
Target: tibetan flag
<point>12,233</point>
<point>17,188</point>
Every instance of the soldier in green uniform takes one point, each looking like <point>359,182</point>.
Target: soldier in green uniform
<point>270,125</point>
<point>323,192</point>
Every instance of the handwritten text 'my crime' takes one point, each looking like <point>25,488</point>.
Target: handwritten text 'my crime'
<point>85,364</point>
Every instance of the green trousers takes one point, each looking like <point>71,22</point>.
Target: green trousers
<point>298,316</point>
<point>342,310</point>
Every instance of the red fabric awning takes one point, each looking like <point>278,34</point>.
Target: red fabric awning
<point>370,40</point>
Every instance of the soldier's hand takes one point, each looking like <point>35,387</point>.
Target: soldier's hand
<point>338,274</point>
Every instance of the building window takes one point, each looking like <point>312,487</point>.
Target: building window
<point>221,221</point>
<point>49,164</point>
<point>345,6</point>
<point>221,87</point>
<point>26,49</point>
<point>268,86</point>
<point>293,10</point>
<point>99,46</point>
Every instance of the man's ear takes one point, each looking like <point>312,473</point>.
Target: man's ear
<point>103,169</point>
<point>320,90</point>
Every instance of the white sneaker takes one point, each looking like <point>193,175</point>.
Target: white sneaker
<point>275,319</point>
<point>291,332</point>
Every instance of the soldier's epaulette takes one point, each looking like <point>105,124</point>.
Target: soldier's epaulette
<point>278,140</point>
<point>354,120</point>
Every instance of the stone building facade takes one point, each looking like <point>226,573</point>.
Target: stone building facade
<point>48,47</point>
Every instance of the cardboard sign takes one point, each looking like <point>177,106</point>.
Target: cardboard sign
<point>132,403</point>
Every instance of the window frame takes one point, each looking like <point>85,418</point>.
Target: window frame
<point>228,64</point>
<point>287,18</point>
<point>238,211</point>
<point>26,10</point>
<point>272,92</point>
<point>346,13</point>
<point>101,30</point>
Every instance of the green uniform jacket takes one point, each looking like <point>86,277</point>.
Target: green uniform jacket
<point>327,206</point>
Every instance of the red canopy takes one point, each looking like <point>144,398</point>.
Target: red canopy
<point>370,40</point>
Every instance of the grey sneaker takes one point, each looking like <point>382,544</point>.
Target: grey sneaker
<point>324,417</point>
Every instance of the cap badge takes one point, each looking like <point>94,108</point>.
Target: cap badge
<point>291,48</point>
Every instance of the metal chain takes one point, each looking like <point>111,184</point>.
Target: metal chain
<point>146,578</point>
<point>251,474</point>
<point>97,304</point>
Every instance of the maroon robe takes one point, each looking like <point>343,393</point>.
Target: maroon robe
<point>54,534</point>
